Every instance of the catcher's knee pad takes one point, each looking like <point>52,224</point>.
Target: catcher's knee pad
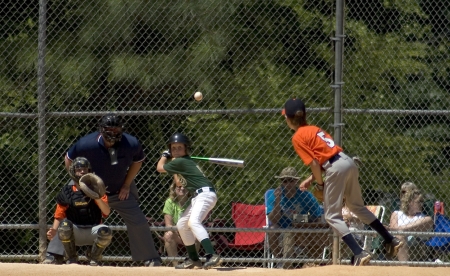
<point>104,236</point>
<point>65,231</point>
<point>65,234</point>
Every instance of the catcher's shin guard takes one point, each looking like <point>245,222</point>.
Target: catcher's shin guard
<point>104,236</point>
<point>65,233</point>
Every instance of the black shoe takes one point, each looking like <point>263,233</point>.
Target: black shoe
<point>392,248</point>
<point>189,264</point>
<point>361,259</point>
<point>72,261</point>
<point>53,259</point>
<point>153,262</point>
<point>212,261</point>
<point>88,256</point>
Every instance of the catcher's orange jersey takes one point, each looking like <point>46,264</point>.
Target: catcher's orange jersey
<point>311,142</point>
<point>60,212</point>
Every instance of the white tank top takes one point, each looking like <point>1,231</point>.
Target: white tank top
<point>403,219</point>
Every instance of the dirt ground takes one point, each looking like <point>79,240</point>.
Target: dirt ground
<point>25,269</point>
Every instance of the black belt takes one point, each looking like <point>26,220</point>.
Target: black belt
<point>199,191</point>
<point>334,158</point>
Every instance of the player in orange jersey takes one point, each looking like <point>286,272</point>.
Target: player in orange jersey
<point>318,150</point>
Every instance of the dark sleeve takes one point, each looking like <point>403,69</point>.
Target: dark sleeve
<point>139,156</point>
<point>72,152</point>
<point>61,198</point>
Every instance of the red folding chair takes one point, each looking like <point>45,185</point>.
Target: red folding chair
<point>248,216</point>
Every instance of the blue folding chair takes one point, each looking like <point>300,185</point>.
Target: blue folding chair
<point>440,245</point>
<point>267,253</point>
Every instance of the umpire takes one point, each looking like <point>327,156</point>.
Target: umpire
<point>117,157</point>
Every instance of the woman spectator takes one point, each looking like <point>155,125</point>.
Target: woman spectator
<point>410,218</point>
<point>173,208</point>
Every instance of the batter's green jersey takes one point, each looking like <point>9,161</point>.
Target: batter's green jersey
<point>188,169</point>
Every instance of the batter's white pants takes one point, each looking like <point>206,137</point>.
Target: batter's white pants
<point>190,224</point>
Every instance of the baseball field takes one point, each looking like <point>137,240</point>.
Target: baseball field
<point>24,269</point>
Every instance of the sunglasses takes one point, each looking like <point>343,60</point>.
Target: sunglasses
<point>179,188</point>
<point>289,180</point>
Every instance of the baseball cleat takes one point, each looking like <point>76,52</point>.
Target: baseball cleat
<point>72,261</point>
<point>88,255</point>
<point>153,262</point>
<point>212,261</point>
<point>392,248</point>
<point>189,264</point>
<point>361,259</point>
<point>53,259</point>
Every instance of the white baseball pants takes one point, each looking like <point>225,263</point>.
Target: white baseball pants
<point>190,224</point>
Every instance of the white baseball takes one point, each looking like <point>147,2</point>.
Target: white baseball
<point>198,96</point>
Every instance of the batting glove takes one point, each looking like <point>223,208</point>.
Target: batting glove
<point>167,154</point>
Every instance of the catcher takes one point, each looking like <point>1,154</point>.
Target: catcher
<point>81,205</point>
<point>318,150</point>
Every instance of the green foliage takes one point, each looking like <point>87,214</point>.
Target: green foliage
<point>246,55</point>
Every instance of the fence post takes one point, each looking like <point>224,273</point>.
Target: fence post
<point>337,86</point>
<point>42,146</point>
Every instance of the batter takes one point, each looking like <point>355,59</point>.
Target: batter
<point>203,201</point>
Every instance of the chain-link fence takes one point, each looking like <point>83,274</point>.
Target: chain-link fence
<point>67,63</point>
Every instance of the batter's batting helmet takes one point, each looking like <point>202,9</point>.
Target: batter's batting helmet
<point>179,138</point>
<point>79,162</point>
<point>111,127</point>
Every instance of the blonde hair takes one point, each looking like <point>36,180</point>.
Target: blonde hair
<point>172,193</point>
<point>408,198</point>
<point>407,186</point>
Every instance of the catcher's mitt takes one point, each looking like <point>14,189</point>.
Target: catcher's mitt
<point>318,192</point>
<point>92,185</point>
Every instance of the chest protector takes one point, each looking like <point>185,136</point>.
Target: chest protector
<point>82,209</point>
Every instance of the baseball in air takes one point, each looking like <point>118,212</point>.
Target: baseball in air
<point>198,96</point>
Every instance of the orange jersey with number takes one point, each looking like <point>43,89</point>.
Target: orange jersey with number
<point>311,142</point>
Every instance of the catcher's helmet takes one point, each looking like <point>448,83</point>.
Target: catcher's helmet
<point>79,162</point>
<point>111,127</point>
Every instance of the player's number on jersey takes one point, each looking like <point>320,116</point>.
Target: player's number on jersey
<point>329,141</point>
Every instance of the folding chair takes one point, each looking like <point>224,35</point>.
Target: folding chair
<point>267,253</point>
<point>372,243</point>
<point>440,245</point>
<point>247,216</point>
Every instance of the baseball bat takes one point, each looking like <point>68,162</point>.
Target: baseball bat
<point>222,161</point>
